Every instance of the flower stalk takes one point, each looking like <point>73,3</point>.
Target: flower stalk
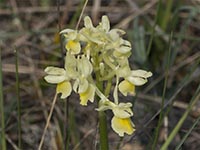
<point>103,131</point>
<point>102,120</point>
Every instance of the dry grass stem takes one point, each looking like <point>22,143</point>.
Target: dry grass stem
<point>47,122</point>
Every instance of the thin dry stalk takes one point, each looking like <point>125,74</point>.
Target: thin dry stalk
<point>95,11</point>
<point>125,22</point>
<point>80,17</point>
<point>12,143</point>
<point>48,121</point>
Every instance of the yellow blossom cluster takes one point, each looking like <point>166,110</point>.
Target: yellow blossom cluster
<point>98,51</point>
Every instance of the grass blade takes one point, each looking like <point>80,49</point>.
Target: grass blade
<point>163,96</point>
<point>154,26</point>
<point>18,99</point>
<point>166,15</point>
<point>193,101</point>
<point>3,137</point>
<point>187,134</point>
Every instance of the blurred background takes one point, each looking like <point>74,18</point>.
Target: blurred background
<point>165,37</point>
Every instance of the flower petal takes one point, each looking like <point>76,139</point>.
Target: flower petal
<point>66,31</point>
<point>64,88</point>
<point>126,87</point>
<point>87,95</point>
<point>123,71</point>
<point>116,33</point>
<point>88,22</point>
<point>124,49</point>
<point>55,75</point>
<point>121,126</point>
<point>84,66</point>
<point>80,85</point>
<point>105,23</point>
<point>71,66</point>
<point>123,110</point>
<point>54,79</point>
<point>139,77</point>
<point>141,73</point>
<point>54,70</point>
<point>137,81</point>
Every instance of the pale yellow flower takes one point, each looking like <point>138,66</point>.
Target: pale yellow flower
<point>81,85</point>
<point>75,69</point>
<point>59,76</point>
<point>73,45</point>
<point>138,77</point>
<point>121,122</point>
<point>135,78</point>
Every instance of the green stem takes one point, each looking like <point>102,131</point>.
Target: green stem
<point>3,139</point>
<point>18,100</point>
<point>108,87</point>
<point>103,131</point>
<point>102,121</point>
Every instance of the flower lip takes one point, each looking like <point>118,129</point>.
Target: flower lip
<point>87,95</point>
<point>64,88</point>
<point>126,87</point>
<point>121,126</point>
<point>73,46</point>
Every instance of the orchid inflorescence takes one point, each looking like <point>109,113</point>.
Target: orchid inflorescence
<point>98,54</point>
